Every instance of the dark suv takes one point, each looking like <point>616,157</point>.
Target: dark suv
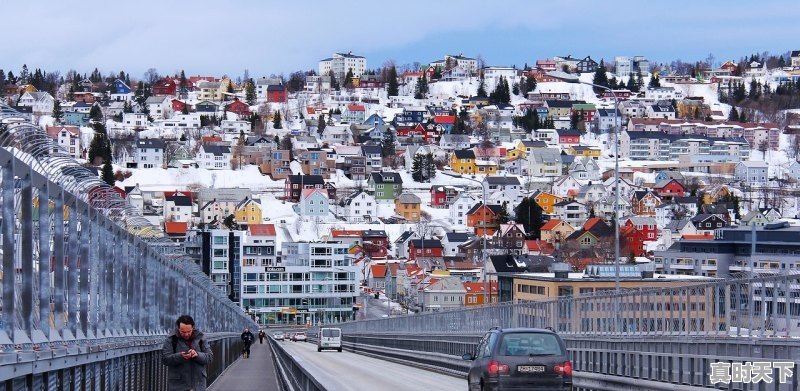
<point>519,359</point>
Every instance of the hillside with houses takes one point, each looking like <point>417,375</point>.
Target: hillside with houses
<point>449,184</point>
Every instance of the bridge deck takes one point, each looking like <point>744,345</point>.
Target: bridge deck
<point>247,374</point>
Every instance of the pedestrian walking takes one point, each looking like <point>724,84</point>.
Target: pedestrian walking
<point>247,338</point>
<point>186,354</point>
<point>261,335</point>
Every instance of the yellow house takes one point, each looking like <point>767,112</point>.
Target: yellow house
<point>554,230</point>
<point>547,201</point>
<point>486,167</point>
<point>517,152</point>
<point>463,161</point>
<point>582,150</point>
<point>248,212</point>
<point>408,206</point>
<point>715,193</point>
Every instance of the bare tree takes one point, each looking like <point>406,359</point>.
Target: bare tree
<point>170,151</point>
<point>151,75</point>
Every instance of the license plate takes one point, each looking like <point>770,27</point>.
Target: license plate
<point>530,368</point>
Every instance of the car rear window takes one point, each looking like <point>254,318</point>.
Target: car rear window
<point>525,344</point>
<point>330,333</point>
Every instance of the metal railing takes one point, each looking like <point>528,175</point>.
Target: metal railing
<point>84,274</point>
<point>766,306</point>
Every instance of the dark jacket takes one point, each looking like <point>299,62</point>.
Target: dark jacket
<point>186,374</point>
<point>248,338</point>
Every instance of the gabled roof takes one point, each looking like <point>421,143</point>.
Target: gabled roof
<point>150,143</point>
<point>306,179</point>
<point>408,198</point>
<point>551,224</point>
<point>428,243</point>
<point>568,132</point>
<point>458,237</point>
<point>179,200</point>
<point>503,180</point>
<point>495,209</point>
<point>262,229</point>
<point>464,154</point>
<point>386,177</point>
<point>217,150</point>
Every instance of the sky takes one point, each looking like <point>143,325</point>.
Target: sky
<point>279,37</point>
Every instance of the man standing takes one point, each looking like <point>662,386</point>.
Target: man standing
<point>248,338</point>
<point>186,354</point>
<point>261,335</point>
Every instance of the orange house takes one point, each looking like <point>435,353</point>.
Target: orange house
<point>476,293</point>
<point>484,219</point>
<point>547,201</point>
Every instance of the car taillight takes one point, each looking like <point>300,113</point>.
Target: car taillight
<point>497,368</point>
<point>563,369</point>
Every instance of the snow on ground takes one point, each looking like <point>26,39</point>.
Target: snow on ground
<point>181,178</point>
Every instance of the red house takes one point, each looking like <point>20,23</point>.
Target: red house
<point>376,243</point>
<point>276,93</point>
<point>429,248</point>
<point>165,86</point>
<point>238,107</point>
<point>177,106</point>
<point>646,225</point>
<point>443,196</point>
<point>632,242</point>
<point>567,137</point>
<point>411,131</point>
<point>669,188</point>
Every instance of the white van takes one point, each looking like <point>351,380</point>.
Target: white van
<point>329,338</point>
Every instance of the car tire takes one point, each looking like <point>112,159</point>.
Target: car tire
<point>340,350</point>
<point>319,349</point>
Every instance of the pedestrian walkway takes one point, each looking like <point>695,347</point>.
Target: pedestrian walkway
<point>247,374</point>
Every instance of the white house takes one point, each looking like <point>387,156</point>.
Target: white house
<point>452,142</point>
<point>508,184</point>
<point>314,203</point>
<point>68,138</point>
<point>573,212</point>
<point>793,172</point>
<point>41,103</point>
<point>178,207</point>
<point>459,208</point>
<point>359,207</point>
<point>544,162</point>
<point>585,169</point>
<point>234,126</point>
<point>134,121</point>
<point>214,157</point>
<point>337,134</point>
<point>660,111</point>
<point>662,93</point>
<point>341,63</point>
<point>753,173</point>
<point>149,153</point>
<point>160,107</point>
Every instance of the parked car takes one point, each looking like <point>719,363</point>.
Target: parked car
<point>329,338</point>
<point>279,336</point>
<point>299,336</point>
<point>519,358</point>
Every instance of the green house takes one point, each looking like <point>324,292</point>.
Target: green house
<point>386,186</point>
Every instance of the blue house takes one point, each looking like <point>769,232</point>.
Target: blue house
<point>374,119</point>
<point>669,174</point>
<point>410,116</point>
<point>313,203</point>
<point>75,118</point>
<point>120,87</point>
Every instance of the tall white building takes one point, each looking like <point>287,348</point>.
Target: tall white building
<point>340,63</point>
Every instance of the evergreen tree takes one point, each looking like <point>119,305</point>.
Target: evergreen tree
<point>276,121</point>
<point>529,214</point>
<point>392,87</point>
<point>430,166</point>
<point>230,223</point>
<point>600,77</point>
<point>654,82</point>
<point>24,75</point>
<point>417,168</point>
<point>286,144</point>
<point>2,78</point>
<point>388,144</point>
<point>58,113</point>
<point>96,114</point>
<point>185,109</point>
<point>96,148</point>
<point>515,89</point>
<point>334,82</point>
<point>631,85</point>
<point>481,88</point>
<point>639,80</point>
<point>182,84</point>
<point>108,174</point>
<point>348,79</point>
<point>502,216</point>
<point>321,123</point>
<point>423,89</point>
<point>250,92</point>
<point>733,115</point>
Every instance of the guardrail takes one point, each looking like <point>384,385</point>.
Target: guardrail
<point>88,284</point>
<point>291,374</point>
<point>599,363</point>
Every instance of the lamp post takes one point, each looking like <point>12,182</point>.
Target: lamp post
<point>570,78</point>
<point>487,285</point>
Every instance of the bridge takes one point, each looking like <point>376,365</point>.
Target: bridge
<point>91,290</point>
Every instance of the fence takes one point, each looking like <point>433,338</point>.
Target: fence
<point>82,271</point>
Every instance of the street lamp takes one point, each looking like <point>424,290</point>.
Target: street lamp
<point>483,256</point>
<point>570,78</point>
